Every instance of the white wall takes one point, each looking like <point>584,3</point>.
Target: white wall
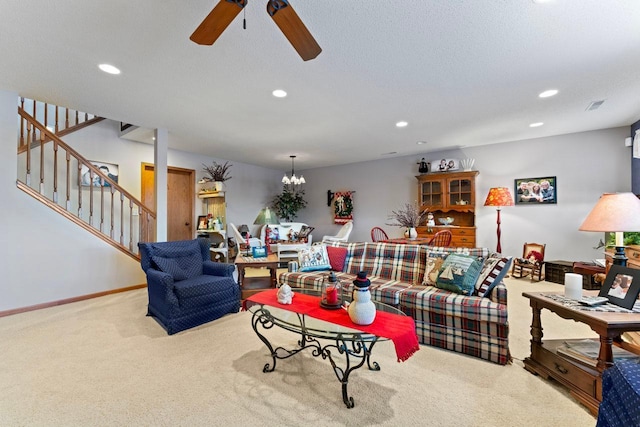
<point>586,165</point>
<point>45,257</point>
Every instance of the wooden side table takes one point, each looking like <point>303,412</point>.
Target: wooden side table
<point>583,382</point>
<point>252,285</point>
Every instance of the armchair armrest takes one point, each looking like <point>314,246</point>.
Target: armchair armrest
<point>160,287</point>
<point>217,269</point>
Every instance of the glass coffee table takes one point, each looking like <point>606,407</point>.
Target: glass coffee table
<point>346,349</point>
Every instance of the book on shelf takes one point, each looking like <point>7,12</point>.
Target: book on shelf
<point>586,352</point>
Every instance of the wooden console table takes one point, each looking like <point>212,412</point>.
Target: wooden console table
<point>251,285</point>
<point>584,383</point>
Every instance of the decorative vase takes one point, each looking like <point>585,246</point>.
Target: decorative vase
<point>467,164</point>
<point>362,310</point>
<point>411,233</point>
<point>219,185</point>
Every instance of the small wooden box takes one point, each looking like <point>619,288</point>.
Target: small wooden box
<point>554,271</point>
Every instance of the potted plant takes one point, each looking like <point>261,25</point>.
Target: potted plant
<point>218,173</point>
<point>409,217</point>
<point>288,203</point>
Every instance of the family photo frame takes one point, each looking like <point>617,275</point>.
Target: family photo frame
<point>622,286</point>
<point>111,170</point>
<point>536,191</point>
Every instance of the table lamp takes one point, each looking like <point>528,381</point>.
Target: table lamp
<point>267,217</point>
<point>499,197</point>
<point>615,213</point>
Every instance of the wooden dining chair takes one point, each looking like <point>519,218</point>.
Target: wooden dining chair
<point>378,234</point>
<point>441,239</point>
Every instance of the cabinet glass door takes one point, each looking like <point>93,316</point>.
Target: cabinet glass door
<point>431,193</point>
<point>460,192</point>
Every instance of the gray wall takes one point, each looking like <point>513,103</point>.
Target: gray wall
<point>586,165</point>
<point>47,258</point>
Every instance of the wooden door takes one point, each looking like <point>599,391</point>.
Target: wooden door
<point>180,196</point>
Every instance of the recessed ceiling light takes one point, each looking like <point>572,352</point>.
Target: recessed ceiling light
<point>548,93</point>
<point>421,142</point>
<point>535,125</point>
<point>401,124</point>
<point>107,68</point>
<point>279,93</point>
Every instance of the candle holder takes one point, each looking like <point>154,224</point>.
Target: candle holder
<point>332,295</point>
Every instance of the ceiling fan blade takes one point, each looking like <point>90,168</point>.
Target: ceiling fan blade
<point>293,28</point>
<point>217,21</point>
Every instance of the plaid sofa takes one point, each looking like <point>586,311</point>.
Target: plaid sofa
<point>467,324</point>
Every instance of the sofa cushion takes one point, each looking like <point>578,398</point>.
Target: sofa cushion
<point>391,261</point>
<point>314,258</point>
<point>493,271</point>
<point>459,273</point>
<point>337,257</point>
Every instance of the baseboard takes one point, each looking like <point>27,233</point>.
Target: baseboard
<point>69,300</point>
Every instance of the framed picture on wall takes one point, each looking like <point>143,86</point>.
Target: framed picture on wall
<point>111,170</point>
<point>532,191</point>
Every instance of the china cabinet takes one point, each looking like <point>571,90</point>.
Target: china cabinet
<point>450,195</point>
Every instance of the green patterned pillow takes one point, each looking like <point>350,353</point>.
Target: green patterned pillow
<point>459,274</point>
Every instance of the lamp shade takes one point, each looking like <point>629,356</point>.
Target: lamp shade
<point>614,212</point>
<point>499,196</point>
<point>266,217</point>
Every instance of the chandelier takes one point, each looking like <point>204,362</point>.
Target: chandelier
<point>294,180</point>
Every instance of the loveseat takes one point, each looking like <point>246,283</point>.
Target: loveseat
<point>473,325</point>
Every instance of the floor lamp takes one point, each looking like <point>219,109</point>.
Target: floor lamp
<point>499,197</point>
<point>615,213</point>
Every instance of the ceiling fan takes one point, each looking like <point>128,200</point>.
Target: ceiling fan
<point>280,11</point>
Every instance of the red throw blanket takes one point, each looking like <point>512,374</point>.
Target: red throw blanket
<point>400,329</point>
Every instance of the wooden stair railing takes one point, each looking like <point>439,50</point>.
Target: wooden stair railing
<point>58,120</point>
<point>108,211</point>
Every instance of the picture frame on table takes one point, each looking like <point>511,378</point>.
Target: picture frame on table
<point>445,165</point>
<point>622,286</point>
<point>259,252</point>
<point>536,191</point>
<point>202,222</point>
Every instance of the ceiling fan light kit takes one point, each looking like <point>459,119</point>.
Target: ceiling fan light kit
<point>280,11</point>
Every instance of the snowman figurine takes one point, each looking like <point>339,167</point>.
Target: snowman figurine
<point>362,310</point>
<point>285,294</point>
<point>431,221</point>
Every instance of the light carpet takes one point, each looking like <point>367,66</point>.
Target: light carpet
<point>101,362</point>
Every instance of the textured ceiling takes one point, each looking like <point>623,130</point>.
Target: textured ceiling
<point>461,72</point>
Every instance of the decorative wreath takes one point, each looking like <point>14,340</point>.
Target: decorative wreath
<point>343,205</point>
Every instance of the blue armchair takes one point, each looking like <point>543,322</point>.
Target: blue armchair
<point>185,287</point>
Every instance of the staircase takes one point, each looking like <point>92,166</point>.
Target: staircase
<point>58,176</point>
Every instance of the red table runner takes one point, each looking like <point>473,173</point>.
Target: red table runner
<point>399,329</point>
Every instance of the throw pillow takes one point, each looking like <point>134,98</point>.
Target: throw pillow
<point>187,254</point>
<point>434,262</point>
<point>314,258</point>
<point>169,266</point>
<point>459,274</point>
<point>493,271</point>
<point>337,257</point>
